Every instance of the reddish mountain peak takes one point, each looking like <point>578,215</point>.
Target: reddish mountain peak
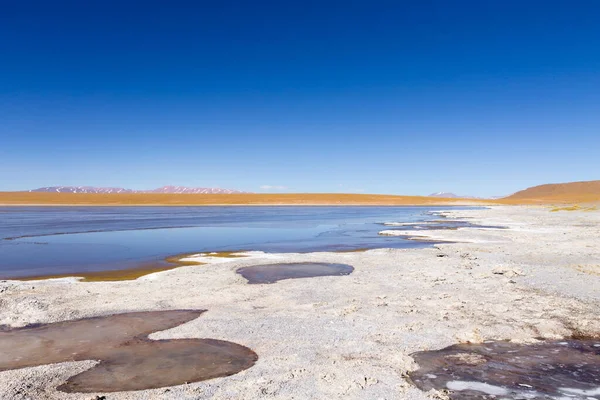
<point>164,189</point>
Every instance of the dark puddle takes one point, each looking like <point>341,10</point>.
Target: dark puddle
<point>272,273</point>
<point>559,370</point>
<point>128,359</point>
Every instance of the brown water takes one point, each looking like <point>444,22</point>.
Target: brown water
<point>272,273</point>
<point>567,369</point>
<point>128,359</point>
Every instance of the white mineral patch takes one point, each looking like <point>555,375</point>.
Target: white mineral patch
<point>477,386</point>
<point>590,392</point>
<point>253,255</point>
<point>463,235</point>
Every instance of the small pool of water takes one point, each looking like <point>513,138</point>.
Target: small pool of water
<point>559,370</point>
<point>272,273</point>
<point>128,360</point>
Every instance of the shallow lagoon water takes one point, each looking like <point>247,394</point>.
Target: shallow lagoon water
<point>39,241</point>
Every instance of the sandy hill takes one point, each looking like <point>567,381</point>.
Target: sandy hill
<point>559,192</point>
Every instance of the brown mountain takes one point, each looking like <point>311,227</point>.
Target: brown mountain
<point>588,191</point>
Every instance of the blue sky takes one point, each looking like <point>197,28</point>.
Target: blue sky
<point>475,97</point>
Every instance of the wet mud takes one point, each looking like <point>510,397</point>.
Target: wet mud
<point>272,273</point>
<point>128,360</point>
<point>567,369</point>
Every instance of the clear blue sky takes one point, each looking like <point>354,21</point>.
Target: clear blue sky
<point>475,97</point>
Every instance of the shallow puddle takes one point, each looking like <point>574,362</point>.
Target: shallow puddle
<point>558,370</point>
<point>272,273</point>
<point>128,360</point>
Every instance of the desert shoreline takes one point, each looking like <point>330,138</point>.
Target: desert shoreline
<point>346,336</point>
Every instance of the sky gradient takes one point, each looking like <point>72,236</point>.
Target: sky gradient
<point>475,97</point>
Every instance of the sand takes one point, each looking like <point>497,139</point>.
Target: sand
<point>248,199</point>
<point>588,191</point>
<point>346,337</point>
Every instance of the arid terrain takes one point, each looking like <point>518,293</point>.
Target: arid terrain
<point>566,193</point>
<point>571,192</point>
<point>27,198</point>
<point>523,273</point>
<point>352,336</point>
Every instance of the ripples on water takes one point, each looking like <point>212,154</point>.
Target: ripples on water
<point>63,240</point>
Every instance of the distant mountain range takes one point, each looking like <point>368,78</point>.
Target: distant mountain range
<point>164,189</point>
<point>448,195</point>
<point>445,195</point>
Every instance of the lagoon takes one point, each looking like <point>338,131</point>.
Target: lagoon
<point>44,241</point>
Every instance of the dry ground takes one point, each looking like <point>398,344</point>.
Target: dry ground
<point>148,199</point>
